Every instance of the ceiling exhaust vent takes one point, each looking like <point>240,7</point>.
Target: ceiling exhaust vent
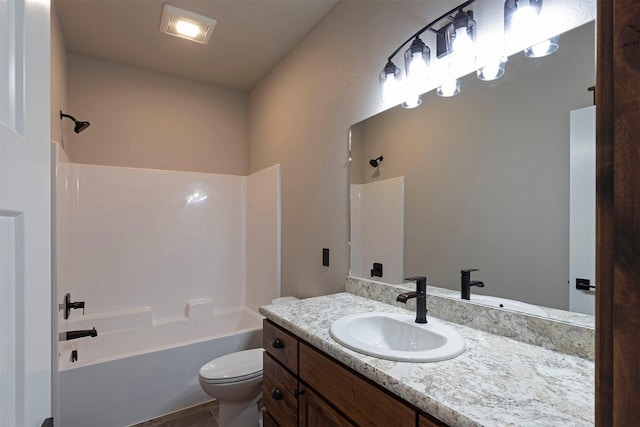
<point>187,25</point>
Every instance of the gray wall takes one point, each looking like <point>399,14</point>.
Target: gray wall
<point>152,120</point>
<point>301,112</point>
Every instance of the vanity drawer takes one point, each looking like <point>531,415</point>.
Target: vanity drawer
<point>353,395</point>
<point>278,393</point>
<point>281,345</point>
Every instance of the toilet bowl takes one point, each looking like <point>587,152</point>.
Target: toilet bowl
<point>235,381</point>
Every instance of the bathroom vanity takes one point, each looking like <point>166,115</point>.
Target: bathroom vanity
<point>304,387</point>
<point>310,379</point>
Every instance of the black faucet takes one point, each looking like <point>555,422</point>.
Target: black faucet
<point>466,283</point>
<point>67,306</point>
<point>421,298</point>
<point>72,335</point>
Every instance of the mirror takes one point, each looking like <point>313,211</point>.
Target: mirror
<point>481,180</point>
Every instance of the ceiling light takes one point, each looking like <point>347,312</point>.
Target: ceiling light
<point>187,25</point>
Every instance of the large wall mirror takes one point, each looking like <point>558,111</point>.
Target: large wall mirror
<point>479,180</point>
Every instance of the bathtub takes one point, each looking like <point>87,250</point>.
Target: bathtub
<point>135,369</point>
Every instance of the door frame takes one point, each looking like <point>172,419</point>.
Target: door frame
<point>617,213</point>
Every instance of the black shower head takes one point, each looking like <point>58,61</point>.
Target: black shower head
<point>79,127</point>
<point>376,162</point>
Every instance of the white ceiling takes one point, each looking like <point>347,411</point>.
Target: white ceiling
<point>251,36</point>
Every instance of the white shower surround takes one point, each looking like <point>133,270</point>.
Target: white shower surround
<point>130,239</point>
<point>161,260</point>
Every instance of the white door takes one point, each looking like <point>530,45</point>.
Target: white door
<point>25,212</point>
<point>582,207</point>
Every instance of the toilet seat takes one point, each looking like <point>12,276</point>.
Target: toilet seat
<point>232,368</point>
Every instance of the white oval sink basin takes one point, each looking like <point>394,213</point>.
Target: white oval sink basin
<point>509,304</point>
<point>397,337</point>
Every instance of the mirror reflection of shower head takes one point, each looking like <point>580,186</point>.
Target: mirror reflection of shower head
<point>376,162</point>
<point>79,127</point>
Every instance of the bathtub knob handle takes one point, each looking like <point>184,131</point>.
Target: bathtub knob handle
<point>277,343</point>
<point>276,394</point>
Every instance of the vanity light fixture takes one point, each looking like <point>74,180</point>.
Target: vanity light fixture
<point>395,89</point>
<point>522,24</point>
<point>186,24</point>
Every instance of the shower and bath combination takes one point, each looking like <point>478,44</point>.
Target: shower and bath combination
<point>80,126</point>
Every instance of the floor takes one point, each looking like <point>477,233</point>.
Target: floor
<point>205,415</point>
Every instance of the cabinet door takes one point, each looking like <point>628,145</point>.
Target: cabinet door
<point>278,391</point>
<point>315,412</point>
<point>365,403</point>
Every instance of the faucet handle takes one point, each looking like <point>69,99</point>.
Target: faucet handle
<point>468,270</point>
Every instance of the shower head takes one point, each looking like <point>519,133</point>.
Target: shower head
<point>79,127</point>
<point>376,162</point>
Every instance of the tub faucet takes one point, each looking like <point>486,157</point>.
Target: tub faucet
<point>421,298</point>
<point>466,283</point>
<point>72,335</point>
<point>67,305</point>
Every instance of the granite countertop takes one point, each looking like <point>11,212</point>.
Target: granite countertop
<point>497,381</point>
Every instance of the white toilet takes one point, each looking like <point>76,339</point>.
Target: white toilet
<point>235,381</point>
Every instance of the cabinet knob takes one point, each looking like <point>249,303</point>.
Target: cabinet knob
<point>276,394</point>
<point>277,343</point>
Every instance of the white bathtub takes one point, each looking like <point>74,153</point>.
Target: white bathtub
<point>128,374</point>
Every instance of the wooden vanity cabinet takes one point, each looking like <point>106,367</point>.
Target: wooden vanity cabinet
<point>279,377</point>
<point>303,387</point>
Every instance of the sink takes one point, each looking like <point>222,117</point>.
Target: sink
<point>397,337</point>
<point>509,304</point>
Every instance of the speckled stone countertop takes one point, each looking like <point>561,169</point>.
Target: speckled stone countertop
<point>570,333</point>
<point>497,381</point>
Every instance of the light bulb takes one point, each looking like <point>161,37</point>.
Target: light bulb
<point>462,43</point>
<point>493,70</point>
<point>412,101</point>
<point>417,67</point>
<point>449,87</point>
<point>541,48</point>
<point>187,29</point>
<point>391,89</point>
<point>544,48</point>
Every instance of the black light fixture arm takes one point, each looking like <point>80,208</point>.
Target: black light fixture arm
<point>428,26</point>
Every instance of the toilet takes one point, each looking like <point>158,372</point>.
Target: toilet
<point>235,381</point>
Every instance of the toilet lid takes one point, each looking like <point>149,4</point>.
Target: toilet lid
<point>240,366</point>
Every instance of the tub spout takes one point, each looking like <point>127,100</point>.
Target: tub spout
<point>72,335</point>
